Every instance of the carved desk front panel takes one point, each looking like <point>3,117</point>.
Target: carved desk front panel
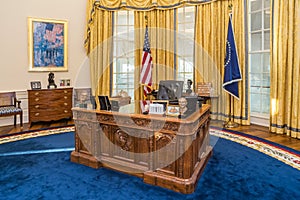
<point>164,151</point>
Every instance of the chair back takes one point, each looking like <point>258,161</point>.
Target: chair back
<point>7,98</point>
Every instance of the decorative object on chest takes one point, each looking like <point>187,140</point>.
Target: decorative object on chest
<point>51,81</point>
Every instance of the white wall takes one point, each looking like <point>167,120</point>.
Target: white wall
<point>14,45</point>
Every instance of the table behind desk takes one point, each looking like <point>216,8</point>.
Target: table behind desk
<point>164,151</point>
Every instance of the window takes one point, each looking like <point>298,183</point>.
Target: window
<point>123,49</point>
<point>185,44</point>
<point>259,60</point>
<point>123,54</point>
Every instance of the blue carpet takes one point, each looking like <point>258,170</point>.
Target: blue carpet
<point>33,169</point>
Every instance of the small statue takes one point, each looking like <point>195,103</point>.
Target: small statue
<point>189,84</point>
<point>51,81</point>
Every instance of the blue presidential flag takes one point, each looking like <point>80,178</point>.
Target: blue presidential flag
<point>232,73</point>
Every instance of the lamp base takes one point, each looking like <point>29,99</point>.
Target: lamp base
<point>230,124</point>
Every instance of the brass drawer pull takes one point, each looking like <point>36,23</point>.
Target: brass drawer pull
<point>37,93</point>
<point>65,91</point>
<point>37,99</point>
<point>65,97</point>
<point>65,104</point>
<point>66,111</point>
<point>37,106</point>
<point>37,114</point>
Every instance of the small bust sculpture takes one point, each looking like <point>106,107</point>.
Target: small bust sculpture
<point>51,81</point>
<point>182,102</point>
<point>189,85</point>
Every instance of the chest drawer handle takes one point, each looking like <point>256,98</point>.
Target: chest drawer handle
<point>66,111</point>
<point>65,104</point>
<point>65,97</point>
<point>37,99</point>
<point>37,114</point>
<point>37,93</point>
<point>37,106</point>
<point>66,91</point>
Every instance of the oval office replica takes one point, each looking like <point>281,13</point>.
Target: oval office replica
<point>131,99</point>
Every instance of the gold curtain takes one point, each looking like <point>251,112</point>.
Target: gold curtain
<point>210,38</point>
<point>98,44</point>
<point>161,37</point>
<point>285,68</point>
<point>143,5</point>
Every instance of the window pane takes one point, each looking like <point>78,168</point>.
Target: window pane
<point>266,63</point>
<point>189,66</point>
<point>267,19</point>
<point>255,105</point>
<point>121,32</point>
<point>181,28</point>
<point>256,41</point>
<point>180,77</point>
<point>131,20</point>
<point>180,15</point>
<point>189,76</point>
<point>265,90</point>
<point>266,40</point>
<point>255,79</point>
<point>256,90</point>
<point>180,64</point>
<point>256,21</point>
<point>266,3</point>
<point>255,62</point>
<point>189,29</point>
<point>265,103</point>
<point>121,18</point>
<point>266,80</point>
<point>255,5</point>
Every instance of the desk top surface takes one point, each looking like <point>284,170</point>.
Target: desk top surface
<point>134,110</point>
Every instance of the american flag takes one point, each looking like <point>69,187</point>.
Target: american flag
<point>146,71</point>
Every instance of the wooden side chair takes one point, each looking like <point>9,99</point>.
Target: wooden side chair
<point>10,106</point>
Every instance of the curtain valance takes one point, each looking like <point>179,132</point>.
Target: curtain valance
<point>144,5</point>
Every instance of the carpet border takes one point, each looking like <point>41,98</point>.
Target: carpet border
<point>33,134</point>
<point>285,155</point>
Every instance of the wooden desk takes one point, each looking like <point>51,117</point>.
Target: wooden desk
<point>164,151</point>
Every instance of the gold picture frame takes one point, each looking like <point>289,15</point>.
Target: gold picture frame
<point>47,45</point>
<point>173,110</point>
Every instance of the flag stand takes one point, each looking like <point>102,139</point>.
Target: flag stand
<point>230,123</point>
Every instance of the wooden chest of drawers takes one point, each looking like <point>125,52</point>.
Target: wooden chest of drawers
<point>49,104</point>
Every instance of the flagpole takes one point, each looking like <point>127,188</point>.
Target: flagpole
<point>230,123</point>
<point>146,68</point>
<point>145,85</point>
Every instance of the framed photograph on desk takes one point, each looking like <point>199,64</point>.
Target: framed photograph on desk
<point>165,103</point>
<point>173,110</point>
